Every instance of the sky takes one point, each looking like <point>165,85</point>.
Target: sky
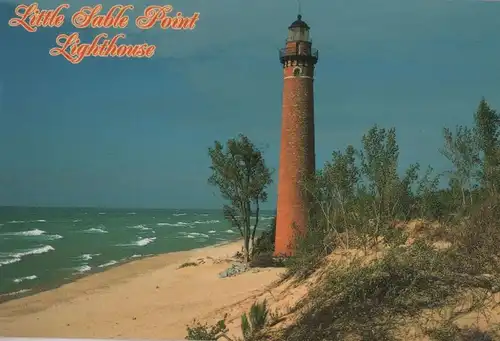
<point>135,133</point>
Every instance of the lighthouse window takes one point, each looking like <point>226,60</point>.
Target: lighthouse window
<point>297,71</point>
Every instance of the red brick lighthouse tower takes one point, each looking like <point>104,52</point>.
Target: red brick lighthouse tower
<point>297,158</point>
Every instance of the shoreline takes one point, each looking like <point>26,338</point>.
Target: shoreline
<point>23,293</point>
<point>13,296</point>
<point>149,298</point>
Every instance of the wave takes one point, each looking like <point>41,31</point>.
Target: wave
<point>140,227</point>
<point>83,268</point>
<point>131,213</point>
<point>229,231</point>
<point>135,256</point>
<point>16,292</point>
<point>88,256</point>
<point>30,233</point>
<point>184,224</point>
<point>206,222</point>
<point>140,242</point>
<point>14,257</point>
<point>144,241</point>
<point>212,231</point>
<point>9,261</point>
<point>102,213</point>
<point>77,220</point>
<point>100,229</point>
<point>34,233</point>
<point>24,221</point>
<point>113,262</point>
<point>266,218</point>
<point>178,214</point>
<point>36,251</point>
<point>194,234</point>
<point>177,224</point>
<point>22,279</point>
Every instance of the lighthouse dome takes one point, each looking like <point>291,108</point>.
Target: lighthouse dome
<point>299,23</point>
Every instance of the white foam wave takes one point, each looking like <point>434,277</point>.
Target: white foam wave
<point>36,251</point>
<point>113,262</point>
<point>102,213</point>
<point>266,218</point>
<point>95,230</point>
<point>16,222</point>
<point>22,279</point>
<point>140,242</point>
<point>33,233</point>
<point>184,224</point>
<point>131,213</point>
<point>30,233</point>
<point>38,221</point>
<point>88,256</point>
<point>140,227</point>
<point>177,224</point>
<point>9,261</point>
<point>135,256</point>
<point>83,268</point>
<point>16,292</point>
<point>194,234</point>
<point>145,241</point>
<point>212,231</point>
<point>229,231</point>
<point>179,214</point>
<point>206,222</point>
<point>77,220</point>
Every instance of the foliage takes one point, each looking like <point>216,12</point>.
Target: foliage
<point>251,325</point>
<point>450,331</point>
<point>255,321</point>
<point>187,264</point>
<point>265,242</point>
<point>242,177</point>
<point>487,135</point>
<point>375,301</point>
<point>200,331</point>
<point>361,200</point>
<point>460,148</point>
<point>428,200</point>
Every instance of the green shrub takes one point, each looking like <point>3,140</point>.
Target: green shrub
<point>265,242</point>
<point>187,264</point>
<point>199,331</point>
<point>255,321</point>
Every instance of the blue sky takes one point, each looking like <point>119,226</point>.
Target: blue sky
<point>135,133</point>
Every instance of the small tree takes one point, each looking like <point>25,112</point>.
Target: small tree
<point>487,134</point>
<point>460,148</point>
<point>240,173</point>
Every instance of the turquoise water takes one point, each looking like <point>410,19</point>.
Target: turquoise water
<point>41,248</point>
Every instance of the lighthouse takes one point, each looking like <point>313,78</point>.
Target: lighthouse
<point>297,155</point>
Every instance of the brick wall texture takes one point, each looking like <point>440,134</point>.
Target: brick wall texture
<point>297,156</point>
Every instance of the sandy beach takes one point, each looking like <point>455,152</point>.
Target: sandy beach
<point>150,299</point>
